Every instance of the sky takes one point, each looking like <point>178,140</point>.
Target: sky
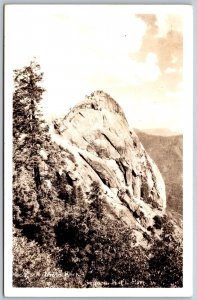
<point>135,56</point>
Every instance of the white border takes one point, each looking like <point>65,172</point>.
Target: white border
<point>186,291</point>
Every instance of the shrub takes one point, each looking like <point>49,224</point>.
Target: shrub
<point>166,258</point>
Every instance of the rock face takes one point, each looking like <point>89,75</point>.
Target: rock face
<point>105,153</point>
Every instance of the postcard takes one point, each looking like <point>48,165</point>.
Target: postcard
<point>98,150</point>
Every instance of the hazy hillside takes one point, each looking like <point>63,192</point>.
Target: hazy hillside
<point>167,152</point>
<point>160,131</point>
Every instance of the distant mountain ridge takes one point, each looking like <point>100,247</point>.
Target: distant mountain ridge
<point>160,131</point>
<point>167,152</point>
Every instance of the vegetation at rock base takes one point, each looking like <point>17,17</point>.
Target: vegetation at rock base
<point>87,252</point>
<point>59,238</point>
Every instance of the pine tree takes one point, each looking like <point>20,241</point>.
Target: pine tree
<point>27,119</point>
<point>36,159</point>
<point>28,139</point>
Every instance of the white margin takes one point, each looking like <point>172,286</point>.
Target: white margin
<point>186,291</point>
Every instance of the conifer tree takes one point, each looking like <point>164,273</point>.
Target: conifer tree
<point>36,159</point>
<point>28,140</point>
<point>27,121</point>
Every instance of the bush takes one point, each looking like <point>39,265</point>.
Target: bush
<point>33,267</point>
<point>99,249</point>
<point>166,258</point>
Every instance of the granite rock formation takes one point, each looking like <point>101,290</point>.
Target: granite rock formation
<point>105,151</point>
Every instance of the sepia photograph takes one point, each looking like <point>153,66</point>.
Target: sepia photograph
<point>98,132</point>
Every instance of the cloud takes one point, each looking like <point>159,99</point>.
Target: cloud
<point>135,73</point>
<point>150,69</point>
<point>39,30</point>
<point>80,49</point>
<point>170,70</point>
<point>167,23</point>
<point>164,37</point>
<point>177,94</point>
<point>135,58</point>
